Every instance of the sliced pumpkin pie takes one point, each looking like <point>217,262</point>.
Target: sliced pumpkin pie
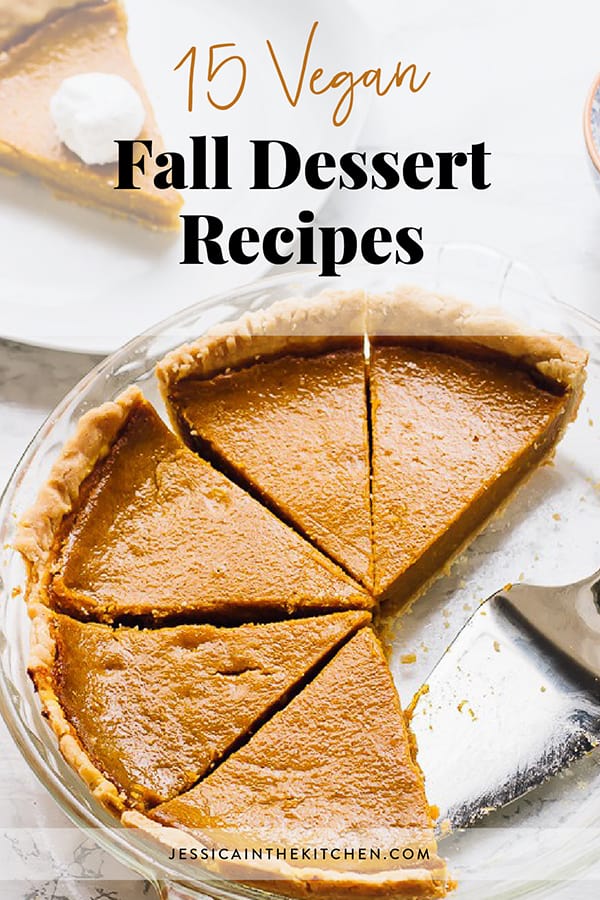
<point>278,401</point>
<point>465,405</point>
<point>332,771</point>
<point>133,524</point>
<point>43,44</point>
<point>143,714</point>
<point>462,404</point>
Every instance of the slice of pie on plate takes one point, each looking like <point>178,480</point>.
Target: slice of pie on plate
<point>333,770</point>
<point>465,405</point>
<point>278,401</point>
<point>132,524</point>
<point>142,715</point>
<point>44,44</point>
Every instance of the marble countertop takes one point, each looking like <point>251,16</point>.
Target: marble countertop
<point>534,63</point>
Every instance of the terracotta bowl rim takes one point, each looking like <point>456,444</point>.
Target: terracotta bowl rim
<point>591,144</point>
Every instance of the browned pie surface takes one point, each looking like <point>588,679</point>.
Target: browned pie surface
<point>332,769</point>
<point>86,39</point>
<point>159,533</point>
<point>295,430</point>
<point>451,438</point>
<point>156,709</point>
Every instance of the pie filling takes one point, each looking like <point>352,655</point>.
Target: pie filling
<point>158,535</point>
<point>317,404</point>
<point>314,775</point>
<point>155,735</point>
<point>320,466</point>
<point>503,425</point>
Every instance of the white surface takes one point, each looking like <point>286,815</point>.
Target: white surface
<point>515,74</point>
<point>97,281</point>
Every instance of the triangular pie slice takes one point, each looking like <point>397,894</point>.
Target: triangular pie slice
<point>333,770</point>
<point>87,37</point>
<point>133,524</point>
<point>144,714</point>
<point>465,404</point>
<point>278,401</point>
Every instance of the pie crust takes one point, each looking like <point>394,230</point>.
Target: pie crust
<point>41,659</point>
<point>95,434</point>
<point>18,17</point>
<point>297,326</point>
<point>91,442</point>
<point>407,884</point>
<point>411,311</point>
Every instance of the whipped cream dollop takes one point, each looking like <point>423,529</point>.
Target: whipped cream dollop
<point>93,110</point>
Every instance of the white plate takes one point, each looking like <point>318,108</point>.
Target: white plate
<point>75,279</point>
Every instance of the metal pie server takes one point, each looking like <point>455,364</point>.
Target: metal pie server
<point>515,698</point>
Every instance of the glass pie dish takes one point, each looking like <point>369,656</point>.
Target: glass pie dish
<point>550,534</point>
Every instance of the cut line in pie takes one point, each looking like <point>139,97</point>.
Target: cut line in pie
<point>134,527</point>
<point>333,769</point>
<point>145,714</point>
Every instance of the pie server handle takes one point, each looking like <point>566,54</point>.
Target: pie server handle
<point>515,698</point>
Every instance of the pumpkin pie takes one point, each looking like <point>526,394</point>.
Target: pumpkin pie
<point>132,524</point>
<point>45,42</point>
<point>333,769</point>
<point>465,405</point>
<point>143,714</point>
<point>337,436</point>
<point>292,429</point>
